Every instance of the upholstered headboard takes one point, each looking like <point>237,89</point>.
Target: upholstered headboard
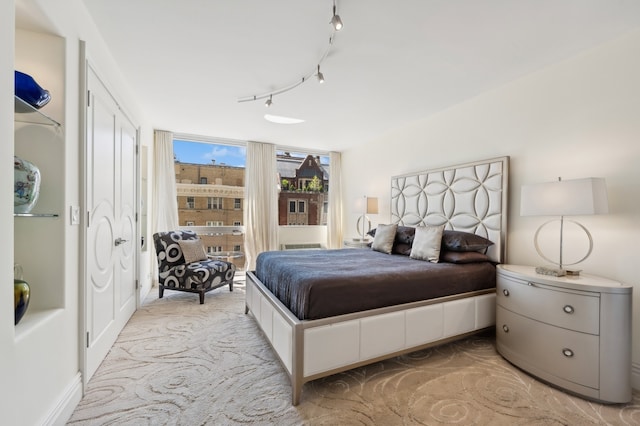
<point>468,197</point>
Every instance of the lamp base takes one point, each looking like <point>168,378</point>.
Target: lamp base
<point>555,272</point>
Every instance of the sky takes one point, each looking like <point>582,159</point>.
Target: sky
<point>206,152</point>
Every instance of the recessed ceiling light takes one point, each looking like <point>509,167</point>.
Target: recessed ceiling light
<point>282,120</point>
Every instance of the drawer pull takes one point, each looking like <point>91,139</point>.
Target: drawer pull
<point>568,309</point>
<point>567,352</point>
<point>505,292</point>
<point>505,328</point>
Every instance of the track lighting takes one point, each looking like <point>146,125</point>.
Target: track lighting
<point>336,23</point>
<point>320,76</point>
<point>335,19</point>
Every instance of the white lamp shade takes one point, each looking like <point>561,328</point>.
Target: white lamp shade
<point>366,205</point>
<point>372,205</point>
<point>565,198</point>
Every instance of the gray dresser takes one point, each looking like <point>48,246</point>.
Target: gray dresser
<point>573,332</point>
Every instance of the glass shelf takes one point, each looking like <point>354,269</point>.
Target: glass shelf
<point>25,113</point>
<point>35,215</point>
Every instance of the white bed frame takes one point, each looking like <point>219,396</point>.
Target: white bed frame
<point>470,197</point>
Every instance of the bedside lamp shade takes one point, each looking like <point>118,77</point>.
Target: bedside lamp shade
<point>372,205</point>
<point>565,198</point>
<point>366,205</point>
<point>574,197</point>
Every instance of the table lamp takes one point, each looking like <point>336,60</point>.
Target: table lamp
<point>564,198</point>
<point>367,205</point>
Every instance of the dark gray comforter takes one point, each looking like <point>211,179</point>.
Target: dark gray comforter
<point>317,284</point>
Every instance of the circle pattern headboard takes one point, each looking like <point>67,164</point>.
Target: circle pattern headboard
<point>469,197</point>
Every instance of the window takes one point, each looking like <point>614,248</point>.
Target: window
<point>297,206</point>
<point>300,174</point>
<point>207,163</point>
<point>214,203</point>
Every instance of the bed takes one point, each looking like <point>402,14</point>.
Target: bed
<point>315,334</point>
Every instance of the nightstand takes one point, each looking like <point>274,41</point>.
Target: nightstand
<point>573,332</point>
<point>356,244</point>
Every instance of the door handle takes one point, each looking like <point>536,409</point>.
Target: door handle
<point>119,241</point>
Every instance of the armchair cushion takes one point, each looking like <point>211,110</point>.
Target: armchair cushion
<point>192,250</point>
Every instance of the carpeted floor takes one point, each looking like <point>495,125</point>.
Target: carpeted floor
<point>181,363</point>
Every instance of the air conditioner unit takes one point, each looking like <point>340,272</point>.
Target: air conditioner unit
<point>301,246</point>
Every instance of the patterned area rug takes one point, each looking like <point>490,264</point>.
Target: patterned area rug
<point>181,363</point>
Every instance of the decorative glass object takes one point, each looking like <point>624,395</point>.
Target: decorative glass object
<point>21,293</point>
<point>29,91</point>
<point>26,185</point>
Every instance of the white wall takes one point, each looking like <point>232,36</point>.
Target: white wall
<point>8,370</point>
<point>579,118</point>
<point>40,369</point>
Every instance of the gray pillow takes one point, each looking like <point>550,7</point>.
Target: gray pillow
<point>192,250</point>
<point>464,241</point>
<point>426,243</point>
<point>383,241</point>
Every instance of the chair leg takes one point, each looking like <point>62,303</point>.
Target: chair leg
<point>160,291</point>
<point>201,297</point>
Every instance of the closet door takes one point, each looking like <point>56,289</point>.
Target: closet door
<point>111,249</point>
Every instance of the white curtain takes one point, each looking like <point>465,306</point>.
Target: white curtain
<point>261,207</point>
<point>335,230</point>
<point>165,199</point>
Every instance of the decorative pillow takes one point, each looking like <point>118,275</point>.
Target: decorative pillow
<point>384,236</point>
<point>426,243</point>
<point>464,241</point>
<point>405,235</point>
<point>402,241</point>
<point>401,248</point>
<point>463,257</point>
<point>192,250</point>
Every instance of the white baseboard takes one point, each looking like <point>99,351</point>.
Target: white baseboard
<point>68,401</point>
<point>635,375</point>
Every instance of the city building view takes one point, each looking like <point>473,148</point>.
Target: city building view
<point>211,200</point>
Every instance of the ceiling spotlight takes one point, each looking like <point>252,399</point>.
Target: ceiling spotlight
<point>335,20</point>
<point>320,76</point>
<point>336,25</point>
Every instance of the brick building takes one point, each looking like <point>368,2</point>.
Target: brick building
<point>304,186</point>
<point>213,195</point>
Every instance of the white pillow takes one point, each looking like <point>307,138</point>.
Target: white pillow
<point>426,243</point>
<point>383,241</point>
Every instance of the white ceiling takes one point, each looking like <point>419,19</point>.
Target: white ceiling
<point>395,62</point>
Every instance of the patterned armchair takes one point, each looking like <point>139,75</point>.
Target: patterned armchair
<point>183,265</point>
